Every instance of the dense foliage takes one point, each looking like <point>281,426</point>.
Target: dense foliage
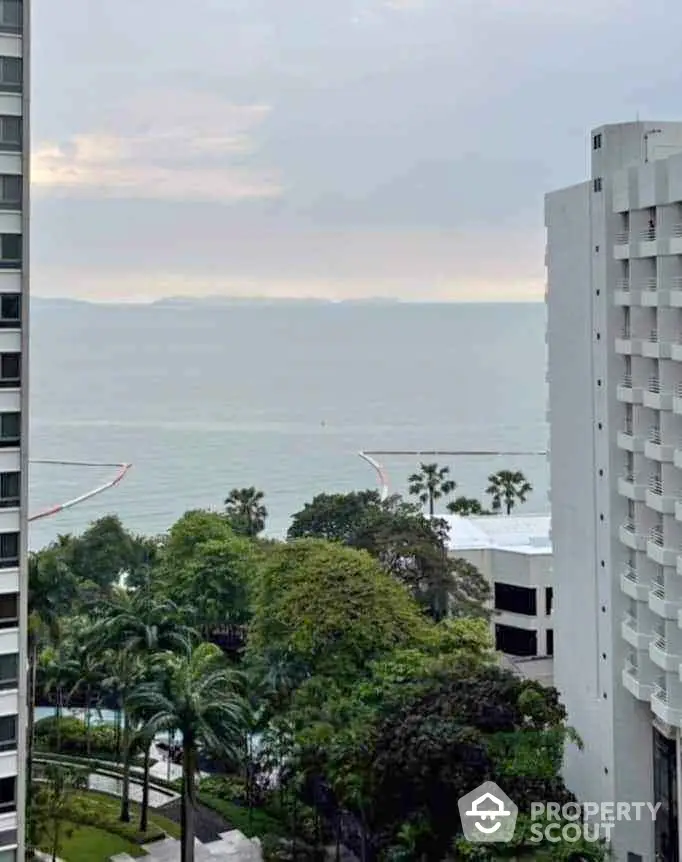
<point>342,684</point>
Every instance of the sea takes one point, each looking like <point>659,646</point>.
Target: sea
<point>202,397</point>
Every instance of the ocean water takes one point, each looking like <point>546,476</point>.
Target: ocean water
<point>204,399</point>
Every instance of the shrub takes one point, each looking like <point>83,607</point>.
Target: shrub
<point>71,734</point>
<point>93,811</point>
<point>231,788</point>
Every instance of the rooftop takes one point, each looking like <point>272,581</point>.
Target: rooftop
<point>521,534</point>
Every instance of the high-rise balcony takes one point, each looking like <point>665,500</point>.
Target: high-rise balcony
<point>654,347</point>
<point>676,291</point>
<point>633,634</point>
<point>660,498</point>
<point>632,586</point>
<point>676,347</point>
<point>630,393</point>
<point>638,680</point>
<point>627,345</point>
<point>656,396</point>
<point>662,708</point>
<point>654,294</point>
<point>663,655</point>
<point>677,400</point>
<point>656,449</point>
<point>660,551</point>
<point>632,537</point>
<point>622,237</point>
<point>624,295</point>
<point>629,487</point>
<point>629,441</point>
<point>665,597</point>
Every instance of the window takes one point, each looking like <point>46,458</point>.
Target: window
<point>8,733</point>
<point>9,671</point>
<point>11,16</point>
<point>597,184</point>
<point>9,611</point>
<point>11,189</point>
<point>516,600</point>
<point>8,855</point>
<point>549,600</point>
<point>8,794</point>
<point>9,550</point>
<point>10,310</point>
<point>596,142</point>
<point>10,370</point>
<point>11,74</point>
<point>550,641</point>
<point>10,429</point>
<point>10,489</point>
<point>518,642</point>
<point>10,133</point>
<point>10,250</point>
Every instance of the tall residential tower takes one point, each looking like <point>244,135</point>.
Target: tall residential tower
<point>614,259</point>
<point>14,281</point>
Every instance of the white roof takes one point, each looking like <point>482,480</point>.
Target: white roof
<point>522,534</point>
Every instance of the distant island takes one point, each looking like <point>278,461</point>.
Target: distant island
<point>213,301</point>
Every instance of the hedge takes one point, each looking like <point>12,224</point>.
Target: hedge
<point>71,735</point>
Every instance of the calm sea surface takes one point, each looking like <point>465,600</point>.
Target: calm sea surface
<point>202,400</point>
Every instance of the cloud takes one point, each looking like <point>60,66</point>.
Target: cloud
<point>181,146</point>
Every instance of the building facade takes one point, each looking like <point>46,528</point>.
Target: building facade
<point>614,260</point>
<point>514,554</point>
<point>14,280</point>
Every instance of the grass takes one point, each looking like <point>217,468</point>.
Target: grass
<point>92,844</point>
<point>258,824</point>
<point>110,806</point>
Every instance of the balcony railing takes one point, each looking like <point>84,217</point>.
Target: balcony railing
<point>626,332</point>
<point>658,589</point>
<point>623,237</point>
<point>651,284</point>
<point>676,230</point>
<point>678,390</point>
<point>624,284</point>
<point>656,487</point>
<point>656,536</point>
<point>654,385</point>
<point>676,282</point>
<point>630,573</point>
<point>630,620</point>
<point>653,336</point>
<point>627,382</point>
<point>647,235</point>
<point>655,436</point>
<point>660,693</point>
<point>629,524</point>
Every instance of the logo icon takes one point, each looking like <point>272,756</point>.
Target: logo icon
<point>487,814</point>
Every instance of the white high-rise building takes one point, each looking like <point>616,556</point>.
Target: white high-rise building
<point>14,296</point>
<point>614,259</point>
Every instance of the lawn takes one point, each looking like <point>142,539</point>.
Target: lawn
<point>90,844</point>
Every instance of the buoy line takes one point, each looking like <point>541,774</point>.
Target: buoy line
<point>122,470</point>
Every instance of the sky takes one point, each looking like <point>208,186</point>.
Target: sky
<point>326,148</point>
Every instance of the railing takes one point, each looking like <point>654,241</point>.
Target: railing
<point>676,282</point>
<point>678,390</point>
<point>655,436</point>
<point>661,643</point>
<point>676,230</point>
<point>624,284</point>
<point>626,333</point>
<point>627,382</point>
<point>630,573</point>
<point>656,536</point>
<point>629,525</point>
<point>651,284</point>
<point>623,237</point>
<point>653,336</point>
<point>647,235</point>
<point>654,385</point>
<point>656,487</point>
<point>658,589</point>
<point>660,693</point>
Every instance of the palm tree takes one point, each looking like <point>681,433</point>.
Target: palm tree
<point>507,488</point>
<point>466,506</point>
<point>202,697</point>
<point>245,510</point>
<point>430,484</point>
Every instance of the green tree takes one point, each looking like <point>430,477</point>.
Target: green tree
<point>466,506</point>
<point>246,511</point>
<point>330,608</point>
<point>335,517</point>
<point>202,697</point>
<point>506,489</point>
<point>50,808</point>
<point>430,484</point>
<point>104,552</point>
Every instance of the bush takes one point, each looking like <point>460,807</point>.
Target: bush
<point>71,735</point>
<point>231,788</point>
<point>89,810</point>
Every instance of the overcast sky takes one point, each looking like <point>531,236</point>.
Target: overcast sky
<point>335,148</point>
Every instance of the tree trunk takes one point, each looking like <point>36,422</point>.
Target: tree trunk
<point>117,730</point>
<point>144,809</point>
<point>125,781</point>
<point>59,719</point>
<point>88,743</point>
<point>188,800</point>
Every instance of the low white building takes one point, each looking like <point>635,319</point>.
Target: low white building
<point>514,554</point>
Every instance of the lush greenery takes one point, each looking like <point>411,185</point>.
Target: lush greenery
<point>339,686</point>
